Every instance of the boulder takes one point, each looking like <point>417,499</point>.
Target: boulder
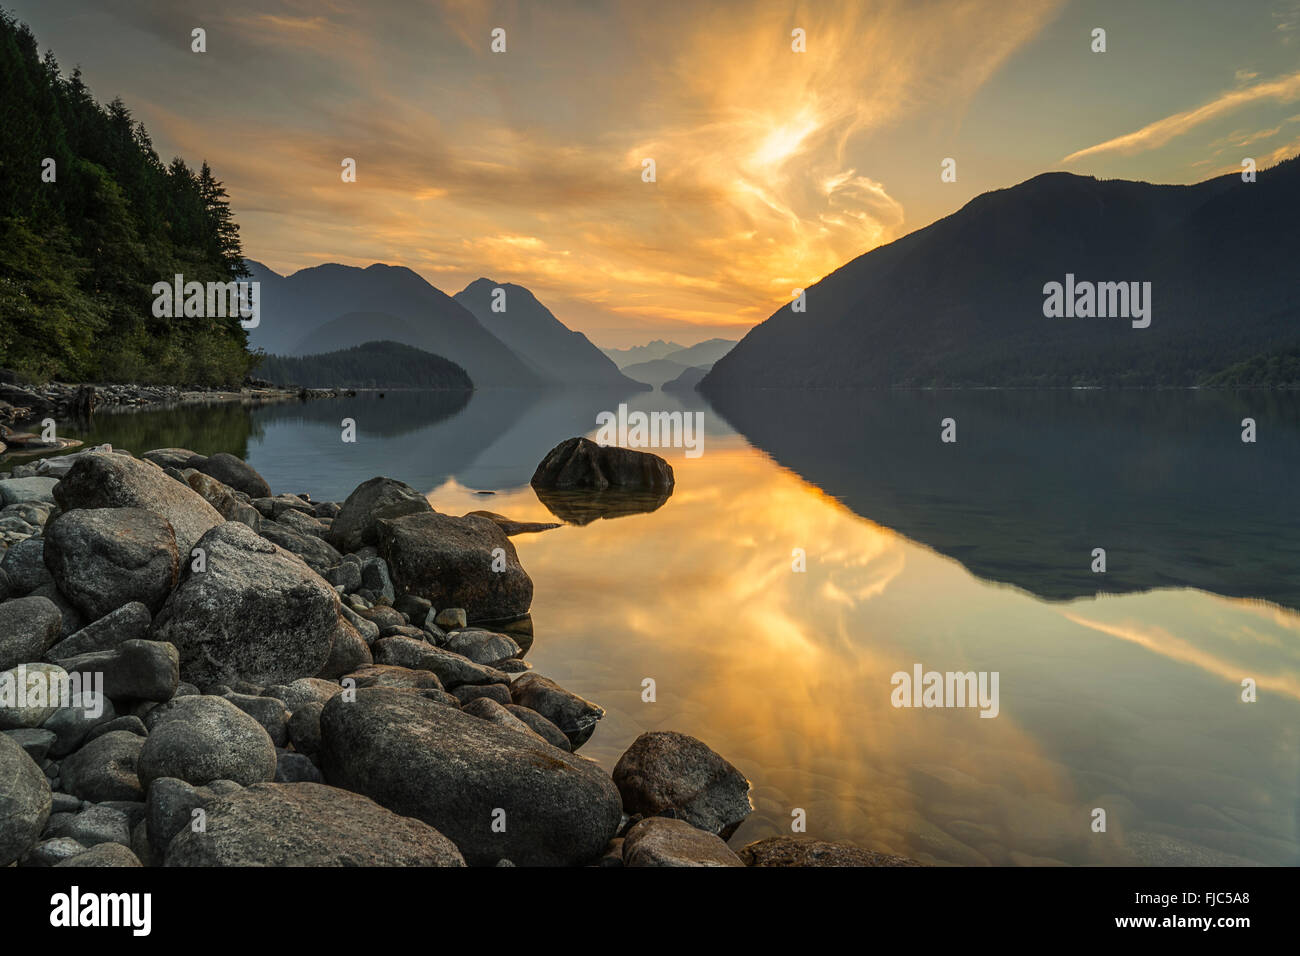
<point>203,738</point>
<point>105,769</point>
<point>92,826</point>
<point>455,772</point>
<point>106,480</point>
<point>24,801</point>
<point>575,716</point>
<point>28,628</point>
<point>103,855</point>
<point>581,464</point>
<point>256,613</point>
<point>234,473</point>
<point>15,491</point>
<point>104,558</point>
<point>25,693</point>
<point>135,670</point>
<point>663,770</point>
<point>228,504</point>
<point>318,555</point>
<point>170,808</point>
<point>86,711</point>
<point>130,622</point>
<point>24,566</point>
<point>484,708</point>
<point>181,458</point>
<point>796,851</point>
<point>308,824</point>
<point>663,841</point>
<point>456,562</point>
<point>541,726</point>
<point>452,669</point>
<point>356,524</point>
<point>480,646</point>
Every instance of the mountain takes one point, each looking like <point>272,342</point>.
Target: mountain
<point>331,307</point>
<point>381,364</point>
<point>961,302</point>
<point>702,353</point>
<point>655,372</point>
<point>687,381</point>
<point>643,353</point>
<point>555,352</point>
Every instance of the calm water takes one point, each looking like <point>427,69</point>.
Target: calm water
<point>973,556</point>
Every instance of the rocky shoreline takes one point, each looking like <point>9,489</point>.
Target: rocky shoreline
<point>195,671</point>
<point>22,404</point>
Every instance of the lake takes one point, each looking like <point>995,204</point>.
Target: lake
<point>1120,691</point>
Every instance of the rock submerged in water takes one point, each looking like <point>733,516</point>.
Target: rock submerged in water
<point>664,770</point>
<point>454,771</point>
<point>456,562</point>
<point>255,613</point>
<point>581,464</point>
<point>308,824</point>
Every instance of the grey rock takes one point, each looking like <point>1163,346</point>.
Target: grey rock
<point>136,670</point>
<point>357,521</point>
<point>664,770</point>
<point>72,725</point>
<point>305,690</point>
<point>304,728</point>
<point>661,841</point>
<point>23,684</point>
<point>485,708</point>
<point>452,669</point>
<point>346,574</point>
<point>204,738</point>
<point>235,473</point>
<point>574,715</point>
<point>28,627</point>
<point>449,562</point>
<point>228,502</point>
<point>130,622</point>
<point>308,824</point>
<point>480,646</point>
<point>293,767</point>
<point>95,825</point>
<point>375,577</point>
<point>51,852</point>
<point>453,770</point>
<point>391,675</point>
<point>317,554</point>
<point>303,523</point>
<point>497,692</point>
<point>19,490</point>
<point>103,855</point>
<point>35,741</point>
<point>130,723</point>
<point>541,726</point>
<point>173,457</point>
<point>257,613</point>
<point>105,480</point>
<point>348,652</point>
<point>24,565</point>
<point>273,508</point>
<point>450,618</point>
<point>103,558</point>
<point>24,801</point>
<point>105,768</point>
<point>267,711</point>
<point>170,808</point>
<point>416,608</point>
<point>72,618</point>
<point>581,464</point>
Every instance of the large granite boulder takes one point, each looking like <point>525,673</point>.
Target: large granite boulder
<point>24,801</point>
<point>308,824</point>
<point>256,613</point>
<point>103,558</point>
<point>234,473</point>
<point>107,480</point>
<point>456,562</point>
<point>28,628</point>
<point>497,793</point>
<point>200,738</point>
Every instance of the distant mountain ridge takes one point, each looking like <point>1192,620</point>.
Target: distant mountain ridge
<point>380,364</point>
<point>554,351</point>
<point>960,302</point>
<point>642,353</point>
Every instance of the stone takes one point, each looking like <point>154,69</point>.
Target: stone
<point>481,646</point>
<point>485,708</point>
<point>24,801</point>
<point>21,490</point>
<point>104,558</point>
<point>129,723</point>
<point>106,480</point>
<point>390,675</point>
<point>234,473</point>
<point>135,670</point>
<point>456,562</point>
<point>35,741</point>
<point>497,692</point>
<point>170,808</point>
<point>28,628</point>
<point>267,711</point>
<point>25,694</point>
<point>71,725</point>
<point>256,613</point>
<point>172,457</point>
<point>541,726</point>
<point>796,851</point>
<point>205,738</point>
<point>304,728</point>
<point>305,690</point>
<point>308,824</point>
<point>130,622</point>
<point>293,767</point>
<point>105,769</point>
<point>348,652</point>
<point>581,464</point>
<point>356,524</point>
<point>453,770</point>
<point>575,716</point>
<point>224,499</point>
<point>665,770</point>
<point>103,855</point>
<point>24,566</point>
<point>92,826</point>
<point>317,554</point>
<point>452,669</point>
<point>662,841</point>
<point>51,852</point>
<point>72,618</point>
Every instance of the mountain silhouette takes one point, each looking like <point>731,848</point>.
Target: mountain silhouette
<point>643,353</point>
<point>555,352</point>
<point>961,302</point>
<point>702,354</point>
<point>331,307</point>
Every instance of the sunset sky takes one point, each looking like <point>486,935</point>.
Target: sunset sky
<point>773,167</point>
